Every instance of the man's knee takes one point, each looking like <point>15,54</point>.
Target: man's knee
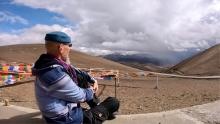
<point>96,115</point>
<point>111,104</point>
<point>103,111</point>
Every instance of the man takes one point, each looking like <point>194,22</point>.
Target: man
<point>57,88</point>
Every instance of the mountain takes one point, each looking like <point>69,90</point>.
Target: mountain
<point>144,62</point>
<point>140,58</point>
<point>204,63</point>
<point>29,53</point>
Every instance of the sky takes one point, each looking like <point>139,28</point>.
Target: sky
<point>155,27</point>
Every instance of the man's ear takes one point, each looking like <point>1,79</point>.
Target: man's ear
<point>60,48</point>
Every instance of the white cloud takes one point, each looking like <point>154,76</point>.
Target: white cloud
<point>11,18</point>
<point>31,35</point>
<point>148,26</point>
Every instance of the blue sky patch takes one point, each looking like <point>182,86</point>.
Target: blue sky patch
<point>14,17</point>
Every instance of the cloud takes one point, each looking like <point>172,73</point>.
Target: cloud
<point>31,35</point>
<point>141,26</point>
<point>12,18</point>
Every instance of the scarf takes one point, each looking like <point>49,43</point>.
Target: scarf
<point>46,60</point>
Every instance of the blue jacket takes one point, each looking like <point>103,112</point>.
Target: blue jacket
<point>56,93</point>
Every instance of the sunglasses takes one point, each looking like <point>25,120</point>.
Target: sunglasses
<point>70,45</point>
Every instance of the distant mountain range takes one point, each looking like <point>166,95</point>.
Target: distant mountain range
<point>206,62</point>
<point>149,62</point>
<point>140,61</point>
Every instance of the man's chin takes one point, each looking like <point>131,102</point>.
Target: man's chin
<point>66,59</point>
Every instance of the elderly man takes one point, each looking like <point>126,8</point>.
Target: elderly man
<point>58,87</point>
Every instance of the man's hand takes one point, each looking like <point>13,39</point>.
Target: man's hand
<point>95,86</point>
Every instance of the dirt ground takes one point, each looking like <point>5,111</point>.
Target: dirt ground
<point>137,95</point>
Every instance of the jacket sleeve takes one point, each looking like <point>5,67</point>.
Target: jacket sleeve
<point>83,76</point>
<point>58,84</point>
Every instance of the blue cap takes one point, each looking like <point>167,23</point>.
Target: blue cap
<point>58,36</point>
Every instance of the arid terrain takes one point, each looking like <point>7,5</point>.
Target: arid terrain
<point>136,94</point>
<point>205,63</point>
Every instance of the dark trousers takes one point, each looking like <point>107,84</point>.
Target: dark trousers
<point>95,115</point>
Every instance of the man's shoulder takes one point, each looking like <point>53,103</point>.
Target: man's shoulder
<point>52,75</point>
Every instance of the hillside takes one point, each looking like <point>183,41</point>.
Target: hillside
<point>204,63</point>
<point>29,53</point>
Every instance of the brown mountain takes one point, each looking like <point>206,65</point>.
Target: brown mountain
<point>204,63</point>
<point>29,53</point>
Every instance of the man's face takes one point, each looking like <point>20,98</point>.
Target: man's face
<point>64,51</point>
